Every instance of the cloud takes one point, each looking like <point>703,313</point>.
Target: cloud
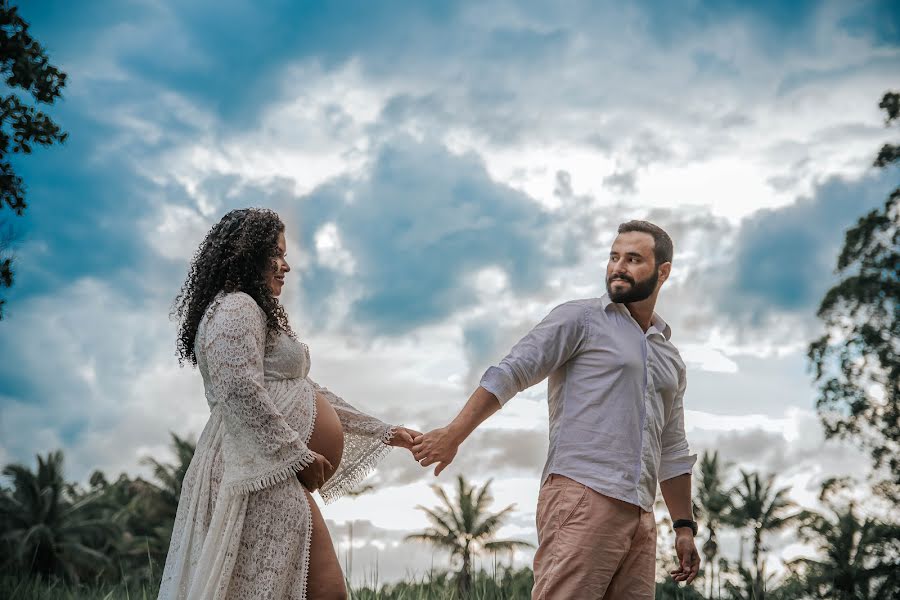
<point>784,257</point>
<point>623,182</point>
<point>106,399</point>
<point>416,226</point>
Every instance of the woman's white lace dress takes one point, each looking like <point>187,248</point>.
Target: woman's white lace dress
<point>243,525</point>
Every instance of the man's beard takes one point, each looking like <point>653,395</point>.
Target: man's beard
<point>640,290</point>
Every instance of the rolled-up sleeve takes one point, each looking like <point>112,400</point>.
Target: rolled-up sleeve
<point>545,348</point>
<point>676,458</point>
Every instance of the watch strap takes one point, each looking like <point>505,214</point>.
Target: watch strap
<point>685,523</point>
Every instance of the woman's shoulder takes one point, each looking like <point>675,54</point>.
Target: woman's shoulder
<point>230,305</point>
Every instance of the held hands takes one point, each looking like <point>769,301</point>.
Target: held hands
<point>437,446</point>
<point>403,438</point>
<point>688,558</point>
<point>316,473</point>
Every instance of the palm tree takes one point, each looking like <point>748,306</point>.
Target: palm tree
<point>466,527</point>
<point>150,509</point>
<point>170,477</point>
<point>855,553</point>
<point>714,504</point>
<point>48,530</point>
<point>762,508</point>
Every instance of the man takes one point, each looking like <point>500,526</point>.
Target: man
<point>615,393</point>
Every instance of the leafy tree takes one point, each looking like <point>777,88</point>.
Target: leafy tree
<point>48,531</point>
<point>465,527</point>
<point>748,586</point>
<point>857,555</point>
<point>27,72</point>
<point>857,361</point>
<point>761,508</point>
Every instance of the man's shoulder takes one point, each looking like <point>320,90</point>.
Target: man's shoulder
<point>581,307</point>
<point>575,312</point>
<point>581,304</point>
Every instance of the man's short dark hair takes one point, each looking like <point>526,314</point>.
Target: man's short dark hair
<point>663,248</point>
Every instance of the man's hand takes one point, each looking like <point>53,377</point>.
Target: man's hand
<point>437,446</point>
<point>403,438</point>
<point>316,473</point>
<point>688,557</point>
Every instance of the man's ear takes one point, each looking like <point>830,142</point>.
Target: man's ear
<point>664,270</point>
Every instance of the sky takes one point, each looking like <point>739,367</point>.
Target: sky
<point>448,173</point>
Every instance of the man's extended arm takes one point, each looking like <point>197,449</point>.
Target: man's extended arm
<point>441,445</point>
<point>551,343</point>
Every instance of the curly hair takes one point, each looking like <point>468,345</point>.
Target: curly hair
<point>234,256</point>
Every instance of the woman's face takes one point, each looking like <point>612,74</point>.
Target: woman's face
<point>275,277</point>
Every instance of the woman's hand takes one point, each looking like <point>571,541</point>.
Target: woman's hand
<point>403,438</point>
<point>314,475</point>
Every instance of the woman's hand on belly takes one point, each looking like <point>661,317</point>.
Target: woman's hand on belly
<point>316,473</point>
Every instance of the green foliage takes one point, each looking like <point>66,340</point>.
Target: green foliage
<point>889,153</point>
<point>27,72</point>
<point>507,584</point>
<point>713,506</point>
<point>762,509</point>
<point>146,512</point>
<point>465,527</point>
<point>18,588</point>
<point>128,522</point>
<point>857,556</point>
<point>671,590</point>
<point>113,532</point>
<point>48,529</point>
<point>857,361</point>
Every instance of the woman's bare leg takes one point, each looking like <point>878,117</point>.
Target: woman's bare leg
<point>326,580</point>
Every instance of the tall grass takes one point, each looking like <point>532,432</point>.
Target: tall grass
<point>439,585</point>
<point>507,585</point>
<point>17,588</point>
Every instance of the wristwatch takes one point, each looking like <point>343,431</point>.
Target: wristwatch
<point>685,523</point>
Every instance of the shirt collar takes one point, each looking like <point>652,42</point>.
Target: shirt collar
<point>657,324</point>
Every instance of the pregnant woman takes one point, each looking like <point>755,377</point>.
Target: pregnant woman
<point>247,526</point>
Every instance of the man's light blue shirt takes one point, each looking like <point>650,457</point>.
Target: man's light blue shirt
<point>615,397</point>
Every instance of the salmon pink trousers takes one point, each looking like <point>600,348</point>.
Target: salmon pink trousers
<point>591,546</point>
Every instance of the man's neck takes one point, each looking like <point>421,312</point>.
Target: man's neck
<point>642,311</point>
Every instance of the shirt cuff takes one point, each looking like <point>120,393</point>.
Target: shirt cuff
<point>676,465</point>
<point>497,382</point>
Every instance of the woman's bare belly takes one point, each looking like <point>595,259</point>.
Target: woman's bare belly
<point>328,436</point>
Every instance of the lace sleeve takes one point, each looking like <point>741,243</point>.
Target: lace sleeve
<point>365,444</point>
<point>263,449</point>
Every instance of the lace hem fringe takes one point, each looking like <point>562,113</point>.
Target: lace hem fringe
<point>261,482</point>
<point>353,474</point>
<point>307,542</point>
